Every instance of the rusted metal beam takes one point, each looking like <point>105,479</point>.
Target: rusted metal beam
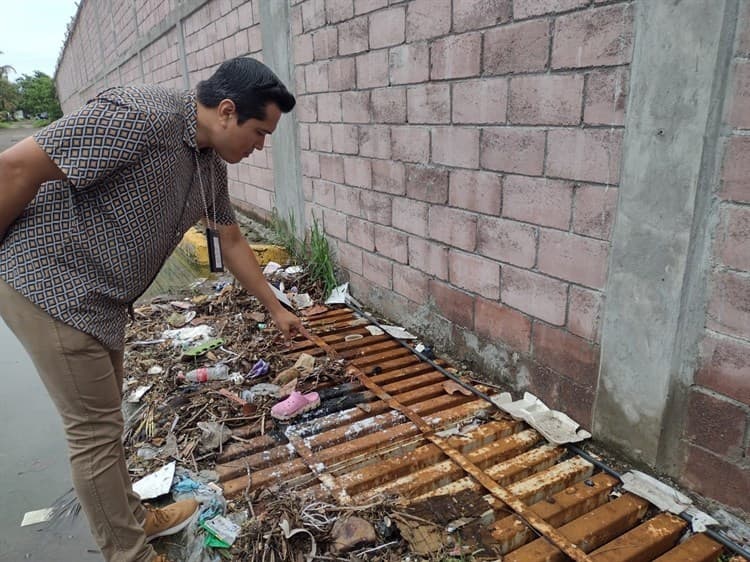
<point>644,543</point>
<point>588,532</point>
<point>698,548</point>
<point>511,532</point>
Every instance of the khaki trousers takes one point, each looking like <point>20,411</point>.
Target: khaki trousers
<point>84,380</point>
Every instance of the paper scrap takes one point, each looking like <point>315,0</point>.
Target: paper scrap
<point>399,333</point>
<point>271,268</point>
<point>38,516</point>
<point>338,295</point>
<point>649,488</point>
<point>157,483</point>
<point>138,393</point>
<point>281,296</point>
<point>374,330</point>
<point>555,426</point>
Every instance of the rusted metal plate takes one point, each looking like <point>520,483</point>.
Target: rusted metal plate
<point>396,430</point>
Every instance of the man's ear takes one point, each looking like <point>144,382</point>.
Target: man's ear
<point>226,110</point>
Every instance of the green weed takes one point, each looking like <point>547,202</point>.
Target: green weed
<point>313,250</point>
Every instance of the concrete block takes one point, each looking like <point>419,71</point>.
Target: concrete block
<point>739,105</point>
<point>360,233</point>
<point>476,14</point>
<point>410,215</point>
<point>538,200</point>
<point>332,167</point>
<point>521,47</point>
<point>594,213</point>
<point>483,101</point>
<point>537,295</point>
<point>389,177</point>
<point>375,141</point>
<point>475,191</point>
<point>427,183</point>
<point>729,303</point>
<point>585,313</point>
<point>725,367</point>
<point>497,322</point>
<point>532,8</point>
<point>474,274</point>
<point>455,305</point>
<point>356,107</point>
<point>513,150</point>
<point>573,258</point>
<point>507,241</point>
<point>606,95</point>
<point>732,238</point>
<point>353,36</point>
<point>716,424</point>
<point>372,69</point>
<point>427,18</point>
<point>566,354</point>
<point>391,243</point>
<point>377,270</point>
<point>456,56</point>
<point>735,176</point>
<point>411,283</point>
<point>358,172</point>
<point>387,28</point>
<point>410,144</point>
<point>716,477</point>
<point>429,103</point>
<point>409,64</point>
<point>325,43</point>
<point>376,207</point>
<point>345,138</point>
<point>429,257</point>
<point>546,100</point>
<point>389,105</point>
<point>455,146</point>
<point>453,226</point>
<point>598,37</point>
<point>585,154</point>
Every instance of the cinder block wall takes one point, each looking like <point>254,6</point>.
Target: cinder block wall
<point>717,432</point>
<point>464,157</point>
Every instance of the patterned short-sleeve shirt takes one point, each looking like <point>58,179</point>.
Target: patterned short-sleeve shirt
<point>86,247</point>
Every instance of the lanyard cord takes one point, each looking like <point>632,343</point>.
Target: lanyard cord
<point>203,192</point>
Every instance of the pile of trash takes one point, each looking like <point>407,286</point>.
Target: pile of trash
<point>206,369</point>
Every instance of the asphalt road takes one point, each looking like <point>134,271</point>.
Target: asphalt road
<point>33,457</point>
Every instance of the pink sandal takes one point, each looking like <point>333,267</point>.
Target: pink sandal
<point>296,404</point>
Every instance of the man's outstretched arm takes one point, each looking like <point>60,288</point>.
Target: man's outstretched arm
<point>23,169</point>
<point>241,261</point>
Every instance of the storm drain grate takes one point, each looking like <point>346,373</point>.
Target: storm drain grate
<point>399,429</point>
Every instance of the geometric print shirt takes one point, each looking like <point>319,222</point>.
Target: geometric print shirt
<point>88,246</point>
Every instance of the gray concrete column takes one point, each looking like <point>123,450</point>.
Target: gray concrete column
<point>278,54</point>
<point>656,290</point>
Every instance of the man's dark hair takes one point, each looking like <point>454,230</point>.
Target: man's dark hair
<point>250,84</point>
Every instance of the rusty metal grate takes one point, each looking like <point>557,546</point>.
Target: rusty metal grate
<point>385,433</point>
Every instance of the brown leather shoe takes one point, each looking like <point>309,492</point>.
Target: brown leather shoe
<point>169,520</point>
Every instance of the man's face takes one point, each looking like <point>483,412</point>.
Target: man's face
<point>239,141</point>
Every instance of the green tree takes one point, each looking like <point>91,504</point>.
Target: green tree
<point>38,95</point>
<point>9,96</point>
<point>5,69</point>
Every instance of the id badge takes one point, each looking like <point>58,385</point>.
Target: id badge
<point>214,251</point>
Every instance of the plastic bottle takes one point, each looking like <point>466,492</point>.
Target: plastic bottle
<point>217,373</point>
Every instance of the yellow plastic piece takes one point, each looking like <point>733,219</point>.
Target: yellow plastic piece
<point>269,252</point>
<point>195,246</point>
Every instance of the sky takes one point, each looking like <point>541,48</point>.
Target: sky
<point>32,34</point>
